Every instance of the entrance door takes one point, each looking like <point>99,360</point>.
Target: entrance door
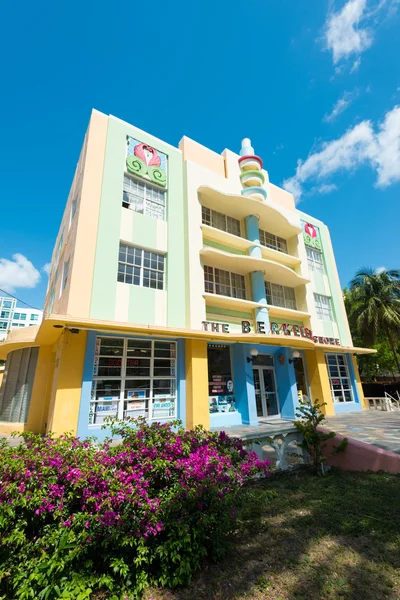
<point>265,390</point>
<point>301,379</point>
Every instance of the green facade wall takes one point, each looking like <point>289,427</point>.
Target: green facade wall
<point>141,300</point>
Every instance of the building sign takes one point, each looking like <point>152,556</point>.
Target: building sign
<point>311,235</point>
<point>275,328</point>
<point>144,161</point>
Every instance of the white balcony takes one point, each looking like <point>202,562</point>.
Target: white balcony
<point>238,263</point>
<point>240,243</point>
<point>272,218</point>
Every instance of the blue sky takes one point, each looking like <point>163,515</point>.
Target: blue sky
<point>313,81</point>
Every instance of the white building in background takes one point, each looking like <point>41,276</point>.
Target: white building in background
<point>13,316</point>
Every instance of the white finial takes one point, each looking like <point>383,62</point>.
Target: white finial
<point>246,147</point>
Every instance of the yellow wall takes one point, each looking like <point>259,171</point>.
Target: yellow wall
<point>197,405</point>
<point>37,415</point>
<point>319,379</point>
<point>67,383</point>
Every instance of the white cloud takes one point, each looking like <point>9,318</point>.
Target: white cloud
<point>325,188</point>
<point>46,268</point>
<point>380,270</point>
<point>350,31</point>
<point>344,102</point>
<point>343,35</point>
<point>356,65</point>
<point>17,273</point>
<point>361,145</point>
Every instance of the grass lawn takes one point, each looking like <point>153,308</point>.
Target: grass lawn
<point>307,538</point>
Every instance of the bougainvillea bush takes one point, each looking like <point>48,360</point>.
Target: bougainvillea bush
<point>84,520</point>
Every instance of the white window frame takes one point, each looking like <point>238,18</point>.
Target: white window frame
<point>65,275</point>
<point>230,282</point>
<point>153,200</point>
<point>74,205</point>
<point>123,378</point>
<point>280,295</point>
<point>323,307</point>
<point>315,260</point>
<point>275,242</point>
<point>138,269</point>
<point>229,224</point>
<point>343,373</point>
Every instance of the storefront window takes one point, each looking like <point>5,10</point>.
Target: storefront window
<point>339,378</point>
<point>133,378</point>
<point>220,381</point>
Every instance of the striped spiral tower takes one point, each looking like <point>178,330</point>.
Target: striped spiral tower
<point>251,176</point>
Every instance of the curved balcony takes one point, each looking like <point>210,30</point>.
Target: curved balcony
<point>271,217</point>
<point>240,243</point>
<point>280,312</point>
<point>231,303</point>
<point>237,263</point>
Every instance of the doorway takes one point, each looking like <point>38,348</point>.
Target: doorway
<point>267,401</point>
<point>301,380</point>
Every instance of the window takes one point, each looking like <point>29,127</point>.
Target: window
<point>314,259</point>
<point>65,275</point>
<point>220,221</point>
<point>23,317</point>
<point>133,378</point>
<point>220,381</point>
<point>224,283</point>
<point>5,314</point>
<point>272,241</point>
<point>144,198</point>
<point>73,211</point>
<point>60,245</point>
<point>15,394</point>
<point>280,295</point>
<point>339,378</point>
<point>7,304</point>
<point>16,316</point>
<point>323,307</point>
<point>34,317</point>
<point>3,324</point>
<point>141,267</point>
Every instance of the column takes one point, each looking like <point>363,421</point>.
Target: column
<point>257,277</point>
<point>197,405</point>
<point>244,384</point>
<point>286,383</point>
<point>67,383</point>
<point>319,380</point>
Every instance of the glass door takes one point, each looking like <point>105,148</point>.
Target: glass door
<point>301,380</point>
<point>257,391</point>
<point>267,402</point>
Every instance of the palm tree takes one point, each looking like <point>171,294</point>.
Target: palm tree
<point>373,302</point>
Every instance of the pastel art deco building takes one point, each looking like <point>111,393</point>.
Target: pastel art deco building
<point>183,285</point>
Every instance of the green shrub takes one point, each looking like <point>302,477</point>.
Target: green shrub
<point>77,518</point>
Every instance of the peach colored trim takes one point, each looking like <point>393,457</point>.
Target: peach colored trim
<point>360,456</point>
<point>201,155</point>
<point>81,269</point>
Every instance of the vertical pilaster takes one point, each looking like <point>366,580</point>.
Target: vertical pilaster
<point>286,382</point>
<point>197,404</point>
<point>37,415</point>
<point>67,383</point>
<point>244,384</point>
<point>319,380</point>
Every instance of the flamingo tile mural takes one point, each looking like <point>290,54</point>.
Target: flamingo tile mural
<point>311,235</point>
<point>145,161</point>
